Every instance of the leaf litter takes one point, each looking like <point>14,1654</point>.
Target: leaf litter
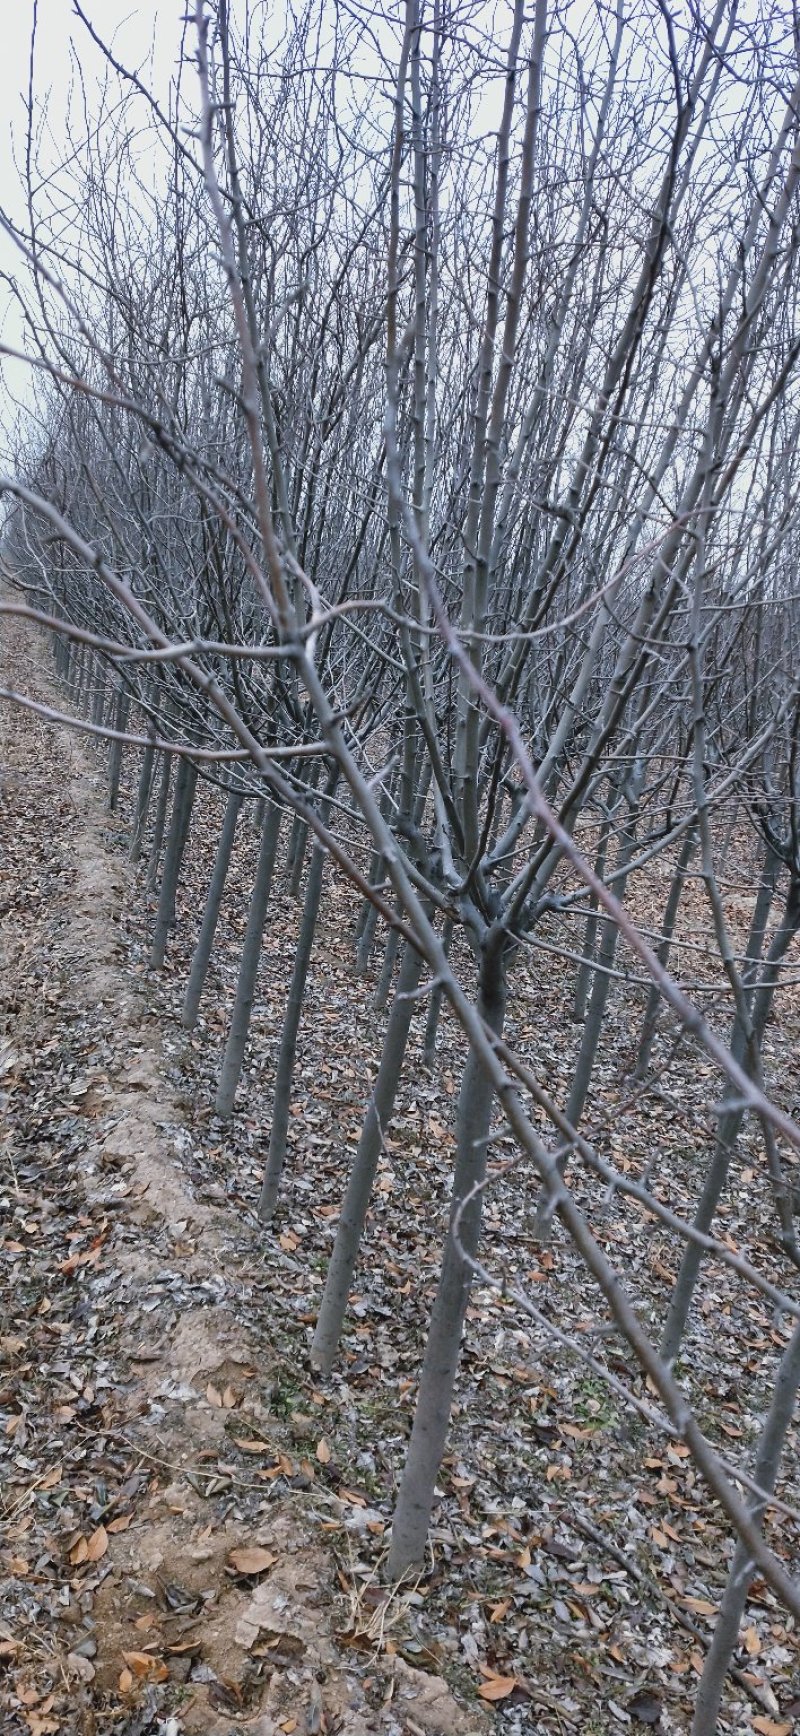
<point>162,1428</point>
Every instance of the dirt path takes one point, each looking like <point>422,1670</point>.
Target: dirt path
<point>173,1559</point>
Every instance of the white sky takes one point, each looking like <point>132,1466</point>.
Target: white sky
<point>137,30</point>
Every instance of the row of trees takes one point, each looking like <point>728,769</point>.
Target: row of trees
<point>412,449</point>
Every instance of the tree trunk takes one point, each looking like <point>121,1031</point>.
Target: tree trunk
<point>248,966</point>
<point>99,699</point>
<point>185,782</point>
<point>295,853</point>
<point>431,1420</point>
<point>586,966</point>
<point>384,984</point>
<point>362,1175</point>
<point>208,927</point>
<point>593,1026</point>
<point>121,712</point>
<point>650,1021</point>
<point>435,1001</point>
<point>730,1120</point>
<point>770,1447</point>
<point>284,1073</point>
<point>160,821</point>
<point>143,795</point>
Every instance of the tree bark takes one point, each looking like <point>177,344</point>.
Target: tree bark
<point>143,795</point>
<point>185,782</point>
<point>586,966</point>
<point>362,1175</point>
<point>730,1121</point>
<point>160,821</point>
<point>770,1447</point>
<point>205,940</point>
<point>121,712</point>
<point>437,1381</point>
<point>650,1020</point>
<point>435,1002</point>
<point>284,1073</point>
<point>384,984</point>
<point>248,966</point>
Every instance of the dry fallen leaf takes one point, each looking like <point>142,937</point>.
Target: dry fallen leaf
<point>144,1664</point>
<point>497,1688</point>
<point>97,1544</point>
<point>125,1682</point>
<point>323,1452</point>
<point>252,1560</point>
<point>769,1727</point>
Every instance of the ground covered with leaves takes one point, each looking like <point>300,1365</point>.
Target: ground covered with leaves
<point>193,1524</point>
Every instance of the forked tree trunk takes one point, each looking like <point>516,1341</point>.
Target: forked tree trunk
<point>208,927</point>
<point>432,1416</point>
<point>185,782</point>
<point>726,1630</point>
<point>365,1163</point>
<point>650,1020</point>
<point>248,966</point>
<point>729,1124</point>
<point>284,1072</point>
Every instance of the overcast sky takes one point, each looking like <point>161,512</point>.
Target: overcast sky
<point>145,35</point>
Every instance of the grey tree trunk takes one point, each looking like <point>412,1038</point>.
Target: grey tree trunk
<point>586,966</point>
<point>593,1026</point>
<point>248,966</point>
<point>160,821</point>
<point>284,1073</point>
<point>432,1417</point>
<point>99,700</point>
<point>435,1001</point>
<point>662,953</point>
<point>730,1120</point>
<point>208,926</point>
<point>384,984</point>
<point>295,854</point>
<point>185,782</point>
<point>368,914</point>
<point>142,808</point>
<point>770,1447</point>
<point>122,708</point>
<point>362,1175</point>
